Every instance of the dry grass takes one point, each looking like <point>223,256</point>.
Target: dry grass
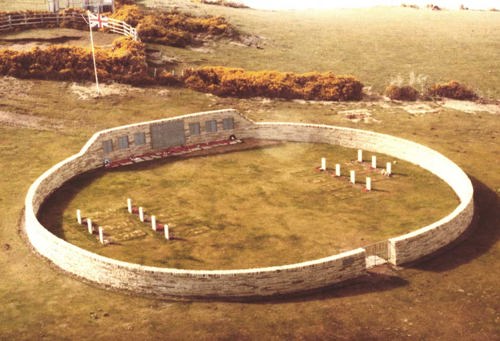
<point>248,209</point>
<point>449,297</point>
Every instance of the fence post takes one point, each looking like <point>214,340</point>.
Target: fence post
<point>10,21</point>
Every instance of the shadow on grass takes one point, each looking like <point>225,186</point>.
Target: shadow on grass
<point>483,233</point>
<point>52,210</point>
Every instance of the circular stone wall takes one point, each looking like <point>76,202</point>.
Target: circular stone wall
<point>258,282</point>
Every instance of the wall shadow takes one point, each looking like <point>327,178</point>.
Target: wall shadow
<point>481,236</point>
<point>52,210</point>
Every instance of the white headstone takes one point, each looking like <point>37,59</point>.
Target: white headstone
<point>167,233</point>
<point>141,214</point>
<point>389,168</point>
<point>323,164</point>
<point>153,222</point>
<point>101,235</point>
<point>353,177</point>
<point>374,161</point>
<point>360,155</point>
<point>89,225</point>
<point>368,184</point>
<point>129,205</point>
<point>337,169</point>
<point>79,216</point>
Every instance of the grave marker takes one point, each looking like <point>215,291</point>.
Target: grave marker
<point>323,164</point>
<point>141,214</point>
<point>101,235</point>
<point>374,162</point>
<point>353,177</point>
<point>337,169</point>
<point>360,155</point>
<point>89,225</point>
<point>368,184</point>
<point>153,222</point>
<point>167,234</point>
<point>389,168</point>
<point>79,216</point>
<point>129,205</point>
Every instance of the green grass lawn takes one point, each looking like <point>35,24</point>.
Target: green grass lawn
<point>449,297</point>
<point>248,209</point>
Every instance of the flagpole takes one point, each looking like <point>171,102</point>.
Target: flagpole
<point>93,56</point>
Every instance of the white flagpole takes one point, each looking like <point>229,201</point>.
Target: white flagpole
<point>93,56</point>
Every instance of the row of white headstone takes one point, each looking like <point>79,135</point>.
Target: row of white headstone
<point>90,226</point>
<point>352,173</point>
<point>153,219</point>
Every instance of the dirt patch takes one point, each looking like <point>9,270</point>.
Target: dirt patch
<point>419,109</point>
<point>88,91</point>
<point>26,40</point>
<point>10,86</point>
<point>359,115</point>
<point>30,122</point>
<point>471,107</point>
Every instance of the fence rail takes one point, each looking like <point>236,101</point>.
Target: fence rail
<point>39,20</point>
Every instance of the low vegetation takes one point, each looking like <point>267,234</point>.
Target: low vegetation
<point>452,89</point>
<point>235,82</point>
<point>402,93</point>
<point>124,62</point>
<point>173,28</point>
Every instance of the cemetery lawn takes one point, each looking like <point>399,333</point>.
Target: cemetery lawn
<point>248,209</point>
<point>448,297</point>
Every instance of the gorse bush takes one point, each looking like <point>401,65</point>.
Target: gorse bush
<point>173,28</point>
<point>125,63</point>
<point>402,93</point>
<point>452,89</point>
<point>234,82</point>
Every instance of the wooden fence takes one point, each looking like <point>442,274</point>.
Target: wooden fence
<point>10,22</point>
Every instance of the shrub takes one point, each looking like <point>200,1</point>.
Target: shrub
<point>452,89</point>
<point>131,14</point>
<point>152,30</point>
<point>168,78</point>
<point>125,63</point>
<point>402,93</point>
<point>240,83</point>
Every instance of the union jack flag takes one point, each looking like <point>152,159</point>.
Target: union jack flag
<point>97,20</point>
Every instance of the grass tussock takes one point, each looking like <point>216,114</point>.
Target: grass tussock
<point>452,89</point>
<point>235,82</point>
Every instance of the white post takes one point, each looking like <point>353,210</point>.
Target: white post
<point>360,155</point>
<point>323,164</point>
<point>79,216</point>
<point>101,235</point>
<point>368,184</point>
<point>153,222</point>
<point>389,168</point>
<point>129,205</point>
<point>337,169</point>
<point>89,225</point>
<point>353,177</point>
<point>374,162</point>
<point>141,214</point>
<point>167,233</point>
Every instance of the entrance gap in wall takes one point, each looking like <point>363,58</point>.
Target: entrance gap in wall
<point>377,254</point>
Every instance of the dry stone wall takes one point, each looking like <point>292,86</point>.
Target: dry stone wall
<point>259,282</point>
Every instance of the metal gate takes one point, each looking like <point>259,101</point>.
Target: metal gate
<point>377,254</point>
<point>167,134</point>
